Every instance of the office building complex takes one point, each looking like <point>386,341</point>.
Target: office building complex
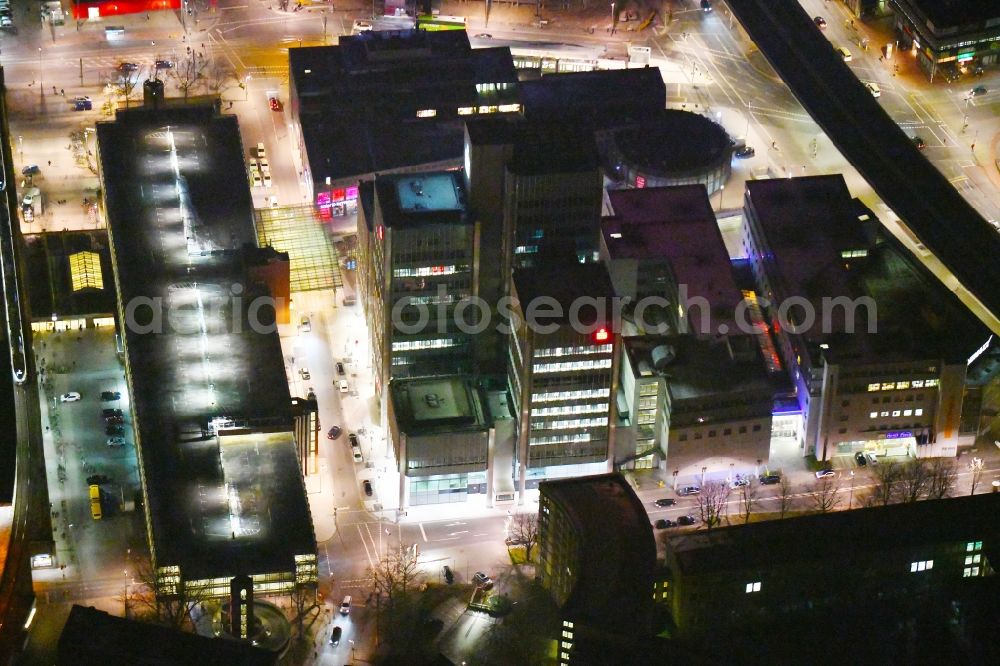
<point>596,559</point>
<point>223,491</point>
<point>563,367</point>
<point>388,101</point>
<point>702,405</point>
<point>945,36</point>
<point>879,352</point>
<point>419,260</point>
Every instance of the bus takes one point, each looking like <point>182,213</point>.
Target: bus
<point>441,22</point>
<point>95,502</point>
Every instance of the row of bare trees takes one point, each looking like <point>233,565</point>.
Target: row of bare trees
<point>191,72</point>
<point>393,581</point>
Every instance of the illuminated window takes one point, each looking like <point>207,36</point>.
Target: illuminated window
<point>872,415</point>
<point>907,412</point>
<point>902,385</point>
<point>918,383</point>
<point>973,546</point>
<point>896,412</point>
<point>923,565</point>
<point>884,414</point>
<point>426,113</point>
<point>753,587</point>
<point>931,382</point>
<point>874,387</point>
<point>510,108</point>
<point>888,386</point>
<point>968,572</point>
<point>567,634</point>
<point>466,110</point>
<point>567,623</point>
<point>918,412</point>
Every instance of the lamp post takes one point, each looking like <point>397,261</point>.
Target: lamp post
<point>41,88</point>
<point>746,135</point>
<point>722,188</point>
<point>850,503</point>
<point>612,17</point>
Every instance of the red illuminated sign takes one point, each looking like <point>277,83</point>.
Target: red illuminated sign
<point>601,335</point>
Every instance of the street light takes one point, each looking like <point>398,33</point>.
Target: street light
<point>746,135</point>
<point>612,18</point>
<point>41,88</point>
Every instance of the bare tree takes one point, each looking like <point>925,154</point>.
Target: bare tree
<point>523,530</point>
<point>747,500</point>
<point>391,580</point>
<point>784,496</point>
<point>914,480</point>
<point>712,502</point>
<point>886,476</point>
<point>304,603</point>
<point>976,467</point>
<point>188,72</point>
<point>824,496</point>
<point>174,611</point>
<point>943,479</point>
<point>219,75</point>
<point>126,81</point>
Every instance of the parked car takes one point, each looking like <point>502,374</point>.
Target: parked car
<point>342,385</point>
<point>484,35</point>
<point>352,440</point>
<point>335,636</point>
<point>368,488</point>
<point>449,575</point>
<point>114,419</point>
<point>333,433</point>
<point>745,152</point>
<point>769,479</point>
<point>255,178</point>
<point>109,412</point>
<point>107,396</point>
<point>825,473</point>
<point>340,368</point>
<point>305,325</point>
<point>274,103</point>
<point>665,501</point>
<point>919,143</point>
<point>259,150</point>
<point>115,442</point>
<point>482,580</point>
<point>304,373</point>
<point>126,67</point>
<point>859,457</point>
<point>114,430</point>
<point>265,166</point>
<point>267,179</point>
<point>72,396</point>
<point>688,490</point>
<point>820,22</point>
<point>686,520</point>
<point>873,88</point>
<point>739,482</point>
<point>164,64</point>
<point>358,457</point>
<point>872,458</point>
<point>663,524</point>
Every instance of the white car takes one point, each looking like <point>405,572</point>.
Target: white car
<point>259,151</point>
<point>356,452</point>
<point>72,396</point>
<point>342,384</point>
<point>265,167</point>
<point>844,53</point>
<point>267,179</point>
<point>255,178</point>
<point>873,88</point>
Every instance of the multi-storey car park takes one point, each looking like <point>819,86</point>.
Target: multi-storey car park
<point>214,428</point>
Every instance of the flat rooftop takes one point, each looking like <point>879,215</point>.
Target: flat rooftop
<point>677,224</point>
<point>358,102</point>
<point>412,199</point>
<point>617,552</point>
<point>608,98</point>
<point>55,283</point>
<point>179,222</point>
<point>428,405</point>
<point>700,367</point>
<point>539,146</point>
<point>808,225</point>
<point>944,14</point>
<point>565,282</point>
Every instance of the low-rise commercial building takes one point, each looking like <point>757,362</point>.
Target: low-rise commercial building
<point>879,352</point>
<point>946,36</point>
<point>596,559</point>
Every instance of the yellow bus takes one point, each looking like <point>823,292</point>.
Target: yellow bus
<point>95,502</point>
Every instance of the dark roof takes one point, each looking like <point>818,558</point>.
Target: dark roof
<point>429,405</point>
<point>766,544</point>
<point>565,282</point>
<point>608,98</point>
<point>93,637</point>
<point>673,141</point>
<point>950,13</point>
<point>539,146</point>
<point>807,223</point>
<point>883,154</point>
<point>358,101</point>
<point>49,274</point>
<point>617,554</point>
<point>180,383</point>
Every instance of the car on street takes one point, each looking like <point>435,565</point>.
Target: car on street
<point>362,26</point>
<point>334,432</point>
<point>267,179</point>
<point>706,5</point>
<point>872,458</point>
<point>663,524</point>
<point>449,575</point>
<point>352,439</point>
<point>6,22</point>
<point>114,419</point>
<point>688,490</point>
<point>342,385</point>
<point>919,143</point>
<point>482,580</point>
<point>844,53</point>
<point>305,325</point>
<point>357,455</point>
<point>345,605</point>
<point>109,412</point>
<point>115,442</point>
<point>820,22</point>
<point>825,473</point>
<point>274,103</point>
<point>340,368</point>
<point>769,479</point>
<point>259,151</point>
<point>164,64</point>
<point>82,104</point>
<point>30,170</point>
<point>265,166</point>
<point>686,520</point>
<point>335,636</point>
<point>745,152</point>
<point>107,396</point>
<point>304,373</point>
<point>255,178</point>
<point>873,88</point>
<point>977,91</point>
<point>126,67</point>
<point>739,482</point>
<point>72,396</point>
<point>368,487</point>
<point>114,430</point>
<point>665,501</point>
<point>484,35</point>
<point>859,457</point>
